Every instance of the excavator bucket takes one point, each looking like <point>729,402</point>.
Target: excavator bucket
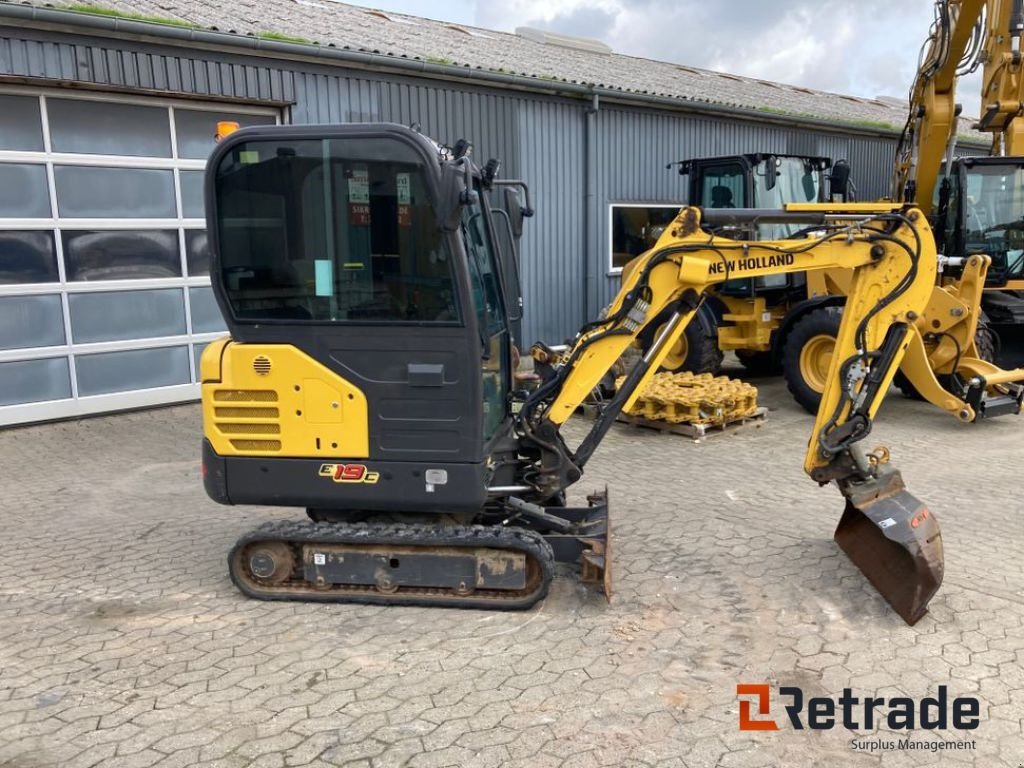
<point>895,541</point>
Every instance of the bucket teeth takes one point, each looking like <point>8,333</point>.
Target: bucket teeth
<point>895,541</point>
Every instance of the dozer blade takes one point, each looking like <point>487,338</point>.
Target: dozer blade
<point>588,543</point>
<point>596,562</point>
<point>895,541</point>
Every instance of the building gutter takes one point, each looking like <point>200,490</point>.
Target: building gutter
<point>112,26</point>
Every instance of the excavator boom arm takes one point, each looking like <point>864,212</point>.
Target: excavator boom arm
<point>888,247</point>
<point>891,251</point>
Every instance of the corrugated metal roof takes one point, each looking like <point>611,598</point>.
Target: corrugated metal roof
<point>328,22</point>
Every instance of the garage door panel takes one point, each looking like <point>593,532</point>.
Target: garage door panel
<point>131,254</point>
<point>27,256</point>
<point>206,317</point>
<point>197,252</point>
<point>196,129</point>
<point>34,381</point>
<point>107,372</point>
<point>20,126</point>
<point>31,321</point>
<point>85,192</point>
<point>192,194</point>
<point>102,127</point>
<point>197,355</point>
<point>119,315</point>
<point>24,193</point>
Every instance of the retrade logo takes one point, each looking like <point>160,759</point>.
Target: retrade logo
<point>763,694</point>
<point>854,713</point>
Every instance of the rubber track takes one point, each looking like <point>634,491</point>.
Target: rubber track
<point>296,534</point>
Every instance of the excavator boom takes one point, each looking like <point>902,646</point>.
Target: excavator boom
<point>887,533</point>
<point>966,35</point>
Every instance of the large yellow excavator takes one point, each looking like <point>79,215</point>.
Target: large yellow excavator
<point>976,203</point>
<point>368,375</point>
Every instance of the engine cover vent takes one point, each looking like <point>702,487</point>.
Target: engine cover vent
<point>261,365</point>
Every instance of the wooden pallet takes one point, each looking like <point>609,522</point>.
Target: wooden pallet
<point>696,431</point>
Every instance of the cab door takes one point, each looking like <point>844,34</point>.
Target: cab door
<point>486,287</point>
<point>327,240</point>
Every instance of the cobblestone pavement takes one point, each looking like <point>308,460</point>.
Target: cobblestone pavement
<point>123,644</point>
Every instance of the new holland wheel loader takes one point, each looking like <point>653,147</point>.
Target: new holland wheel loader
<point>744,316</point>
<point>367,377</point>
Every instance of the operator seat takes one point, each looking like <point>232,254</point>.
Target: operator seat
<point>721,197</point>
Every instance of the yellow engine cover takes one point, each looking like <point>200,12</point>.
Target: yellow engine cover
<point>275,400</point>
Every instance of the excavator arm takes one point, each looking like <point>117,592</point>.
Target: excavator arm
<point>889,534</point>
<point>1002,87</point>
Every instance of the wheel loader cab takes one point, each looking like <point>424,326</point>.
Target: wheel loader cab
<point>757,181</point>
<point>369,363</point>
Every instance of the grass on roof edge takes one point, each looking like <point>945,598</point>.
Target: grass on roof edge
<point>839,120</point>
<point>100,10</point>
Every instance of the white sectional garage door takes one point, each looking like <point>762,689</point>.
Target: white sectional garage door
<point>105,299</point>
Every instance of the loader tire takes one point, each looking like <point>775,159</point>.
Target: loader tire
<point>807,354</point>
<point>987,342</point>
<point>696,351</point>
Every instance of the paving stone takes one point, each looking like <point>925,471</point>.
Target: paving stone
<point>139,652</point>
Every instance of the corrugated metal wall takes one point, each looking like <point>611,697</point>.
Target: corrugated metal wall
<point>634,146</point>
<point>124,64</point>
<point>554,252</point>
<point>539,138</point>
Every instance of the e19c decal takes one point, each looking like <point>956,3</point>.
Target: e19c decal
<point>349,473</point>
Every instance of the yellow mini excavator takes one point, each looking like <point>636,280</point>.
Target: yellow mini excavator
<point>368,378</point>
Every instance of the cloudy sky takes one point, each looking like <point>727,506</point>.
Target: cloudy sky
<point>863,48</point>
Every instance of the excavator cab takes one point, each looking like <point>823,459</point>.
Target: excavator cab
<point>979,209</point>
<point>382,275</point>
<point>370,292</point>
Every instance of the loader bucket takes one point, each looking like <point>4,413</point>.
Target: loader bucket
<point>895,541</point>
